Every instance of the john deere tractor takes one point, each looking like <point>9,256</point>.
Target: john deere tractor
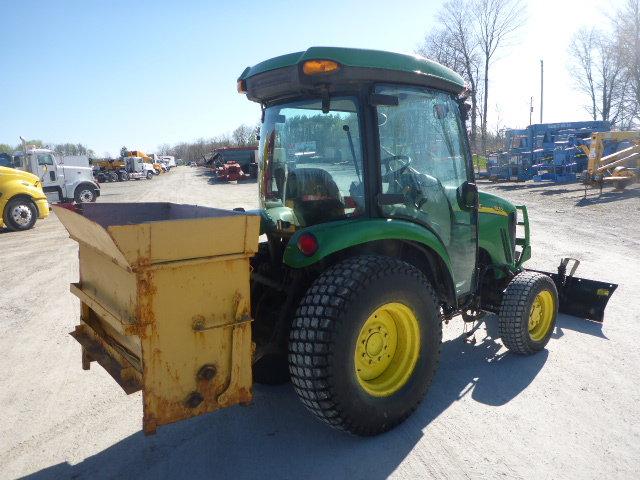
<point>374,235</point>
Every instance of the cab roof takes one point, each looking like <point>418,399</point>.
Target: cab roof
<point>359,65</point>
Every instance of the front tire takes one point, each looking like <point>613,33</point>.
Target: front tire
<point>528,312</point>
<point>20,214</point>
<point>85,194</point>
<point>149,175</point>
<point>354,314</point>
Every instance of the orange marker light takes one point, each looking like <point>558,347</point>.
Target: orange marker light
<point>316,67</point>
<point>242,86</point>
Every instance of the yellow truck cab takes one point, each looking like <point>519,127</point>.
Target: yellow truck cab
<point>22,199</point>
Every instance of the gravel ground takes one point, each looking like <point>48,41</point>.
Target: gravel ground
<point>571,411</point>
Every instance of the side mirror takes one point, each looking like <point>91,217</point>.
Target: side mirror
<point>468,195</point>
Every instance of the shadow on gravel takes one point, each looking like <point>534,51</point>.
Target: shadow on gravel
<point>214,181</point>
<point>4,230</point>
<point>578,325</point>
<point>507,187</point>
<point>607,197</point>
<point>277,438</point>
<point>205,173</point>
<point>558,191</point>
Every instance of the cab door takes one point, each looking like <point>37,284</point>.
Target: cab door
<point>426,171</point>
<point>48,173</point>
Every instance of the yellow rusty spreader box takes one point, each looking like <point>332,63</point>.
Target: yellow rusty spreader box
<point>165,307</point>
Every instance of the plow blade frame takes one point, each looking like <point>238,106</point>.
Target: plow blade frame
<point>580,297</point>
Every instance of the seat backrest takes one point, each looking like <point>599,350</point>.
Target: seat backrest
<point>313,195</point>
<point>312,184</point>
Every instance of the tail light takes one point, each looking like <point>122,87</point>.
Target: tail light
<point>308,244</point>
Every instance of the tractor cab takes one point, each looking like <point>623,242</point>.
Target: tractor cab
<point>362,135</point>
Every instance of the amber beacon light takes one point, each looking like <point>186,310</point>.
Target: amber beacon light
<point>316,67</point>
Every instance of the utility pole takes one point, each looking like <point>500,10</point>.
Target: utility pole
<point>530,110</point>
<point>541,86</point>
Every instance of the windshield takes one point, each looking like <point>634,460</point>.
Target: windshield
<point>311,162</point>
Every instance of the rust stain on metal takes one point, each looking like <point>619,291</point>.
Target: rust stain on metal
<point>189,350</point>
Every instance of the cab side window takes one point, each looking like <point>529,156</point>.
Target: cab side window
<point>424,165</point>
<point>45,159</point>
<point>422,156</point>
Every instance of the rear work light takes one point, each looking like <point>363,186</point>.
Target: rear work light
<point>307,244</point>
<point>316,67</point>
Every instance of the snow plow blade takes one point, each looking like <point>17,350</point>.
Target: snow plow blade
<point>581,297</point>
<point>164,303</point>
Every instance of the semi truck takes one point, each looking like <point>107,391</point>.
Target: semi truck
<point>137,168</point>
<point>60,182</point>
<point>168,160</point>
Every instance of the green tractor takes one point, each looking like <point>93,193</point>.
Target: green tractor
<point>376,234</point>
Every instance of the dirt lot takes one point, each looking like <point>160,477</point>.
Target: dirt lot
<point>572,411</point>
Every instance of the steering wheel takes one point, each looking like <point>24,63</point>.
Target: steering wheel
<point>403,162</point>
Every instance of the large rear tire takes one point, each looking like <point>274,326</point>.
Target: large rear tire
<point>528,312</point>
<point>365,344</point>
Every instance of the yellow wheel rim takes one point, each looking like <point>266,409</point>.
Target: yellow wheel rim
<point>387,349</point>
<point>541,315</point>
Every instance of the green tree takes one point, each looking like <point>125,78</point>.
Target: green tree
<point>31,143</point>
<point>6,148</point>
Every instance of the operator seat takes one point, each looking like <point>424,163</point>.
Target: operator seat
<point>313,195</point>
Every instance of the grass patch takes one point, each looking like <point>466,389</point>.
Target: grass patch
<point>479,162</point>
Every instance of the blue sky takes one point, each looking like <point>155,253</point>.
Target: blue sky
<point>142,73</point>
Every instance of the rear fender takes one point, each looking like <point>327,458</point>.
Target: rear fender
<point>336,237</point>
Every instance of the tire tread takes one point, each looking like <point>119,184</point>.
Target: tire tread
<point>516,304</point>
<point>314,328</point>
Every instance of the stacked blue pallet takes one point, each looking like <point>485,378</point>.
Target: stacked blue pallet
<point>545,151</point>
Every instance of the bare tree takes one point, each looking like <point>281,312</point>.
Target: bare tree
<point>597,68</point>
<point>196,150</point>
<point>496,22</point>
<point>606,67</point>
<point>626,24</point>
<point>581,53</point>
<point>456,46</point>
<point>163,149</point>
<point>439,46</point>
<point>242,135</point>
